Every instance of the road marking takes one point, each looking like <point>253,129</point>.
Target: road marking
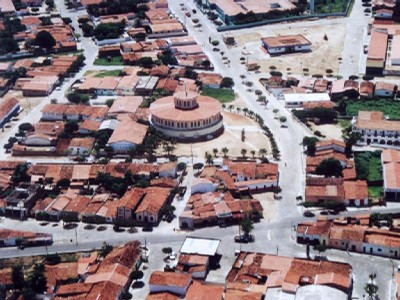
<point>269,234</point>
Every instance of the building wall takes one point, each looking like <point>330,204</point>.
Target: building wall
<point>172,289</point>
<point>52,117</point>
<point>147,217</point>
<point>335,147</point>
<point>10,114</point>
<point>191,133</point>
<point>383,93</point>
<point>75,151</point>
<point>35,141</point>
<point>122,147</point>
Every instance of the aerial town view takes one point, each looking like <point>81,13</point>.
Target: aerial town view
<point>199,150</point>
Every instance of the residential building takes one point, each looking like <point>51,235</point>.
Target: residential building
<point>384,89</point>
<point>174,283</point>
<point>80,146</point>
<point>333,144</point>
<point>391,174</point>
<point>376,130</point>
<point>8,109</point>
<point>11,238</point>
<point>286,44</point>
<point>366,89</point>
<point>295,100</point>
<point>376,57</point>
<point>127,135</point>
<point>150,208</point>
<point>356,234</point>
<point>262,273</point>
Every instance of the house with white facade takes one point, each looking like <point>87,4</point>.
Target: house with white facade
<point>127,135</point>
<point>54,112</point>
<point>376,130</point>
<point>333,144</point>
<point>286,44</point>
<point>81,146</point>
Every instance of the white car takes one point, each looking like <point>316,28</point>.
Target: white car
<point>58,88</point>
<point>172,256</point>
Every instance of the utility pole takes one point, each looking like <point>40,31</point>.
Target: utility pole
<point>76,236</point>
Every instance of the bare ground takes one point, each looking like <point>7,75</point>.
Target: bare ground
<point>324,54</point>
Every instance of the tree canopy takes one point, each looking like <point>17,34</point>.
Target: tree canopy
<point>330,167</point>
<point>44,39</point>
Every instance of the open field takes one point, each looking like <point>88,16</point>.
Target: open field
<point>324,55</point>
<point>389,107</point>
<point>116,61</point>
<point>108,73</point>
<point>375,192</point>
<point>330,131</point>
<point>222,95</point>
<point>368,165</point>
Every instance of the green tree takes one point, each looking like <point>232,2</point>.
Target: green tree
<point>105,249</point>
<point>320,248</point>
<point>110,102</point>
<point>227,82</point>
<point>17,275</point>
<point>198,167</point>
<point>243,152</point>
<point>44,39</point>
<point>181,166</point>
<point>64,182</point>
<point>37,280</point>
<point>225,151</point>
<point>310,143</point>
<point>247,226</point>
<point>262,152</point>
<point>168,211</point>
<point>145,62</point>
<point>26,127</point>
<point>330,167</point>
<point>371,288</point>
<point>28,294</point>
<point>190,74</point>
<point>136,275</point>
<point>71,126</point>
<point>215,151</point>
<point>167,250</point>
<point>209,159</point>
<point>282,119</point>
<point>21,174</point>
<point>253,153</point>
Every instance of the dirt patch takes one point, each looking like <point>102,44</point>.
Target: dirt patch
<point>269,205</point>
<point>330,131</point>
<point>324,55</point>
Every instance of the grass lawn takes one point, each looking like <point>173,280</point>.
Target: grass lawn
<point>388,107</point>
<point>223,95</point>
<point>375,192</point>
<point>108,73</point>
<point>331,6</point>
<point>116,61</point>
<point>368,165</point>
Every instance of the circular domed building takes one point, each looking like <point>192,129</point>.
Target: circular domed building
<point>187,115</point>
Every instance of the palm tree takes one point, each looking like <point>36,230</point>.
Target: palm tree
<point>238,109</point>
<point>215,151</point>
<point>253,153</point>
<point>245,110</point>
<point>225,151</point>
<point>209,159</point>
<point>230,107</point>
<point>242,76</point>
<point>262,152</point>
<point>258,92</point>
<point>243,152</point>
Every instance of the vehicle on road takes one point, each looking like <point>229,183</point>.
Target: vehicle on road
<point>147,228</point>
<point>308,214</point>
<point>244,238</point>
<point>188,14</point>
<point>324,212</point>
<point>58,88</point>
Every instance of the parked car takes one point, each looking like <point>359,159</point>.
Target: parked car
<point>172,256</point>
<point>324,212</point>
<point>188,14</point>
<point>244,238</point>
<point>148,228</point>
<point>308,214</point>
